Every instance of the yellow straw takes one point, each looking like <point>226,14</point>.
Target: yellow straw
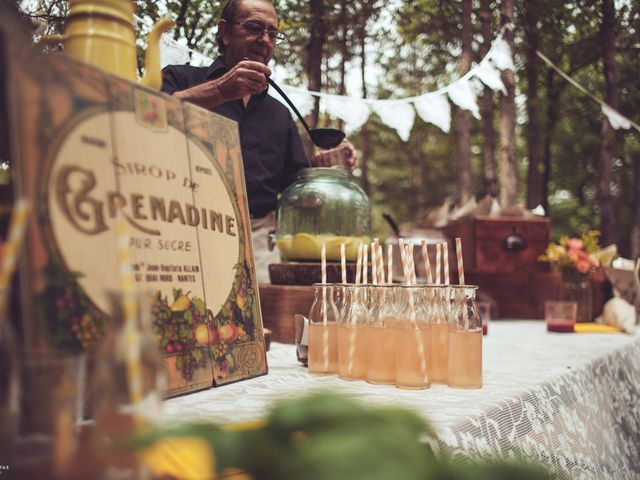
<point>129,307</point>
<point>11,248</point>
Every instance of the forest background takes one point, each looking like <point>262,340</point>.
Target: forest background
<point>543,143</point>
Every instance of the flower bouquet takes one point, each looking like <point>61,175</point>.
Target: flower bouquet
<point>576,259</point>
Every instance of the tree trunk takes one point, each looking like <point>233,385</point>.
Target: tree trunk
<point>635,209</point>
<point>343,51</point>
<point>507,164</point>
<point>486,108</point>
<point>463,117</point>
<point>365,146</point>
<point>553,95</point>
<point>534,180</point>
<point>315,47</point>
<point>608,224</point>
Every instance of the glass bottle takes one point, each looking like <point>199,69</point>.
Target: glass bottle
<point>323,332</point>
<point>130,380</point>
<point>352,336</point>
<point>413,339</point>
<point>465,340</point>
<point>439,308</point>
<point>381,334</point>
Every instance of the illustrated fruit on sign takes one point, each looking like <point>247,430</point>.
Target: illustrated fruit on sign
<point>202,335</point>
<point>241,298</point>
<point>181,303</point>
<point>228,332</point>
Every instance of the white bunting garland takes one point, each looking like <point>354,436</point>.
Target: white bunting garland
<point>399,114</point>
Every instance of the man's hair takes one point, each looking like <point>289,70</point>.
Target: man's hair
<point>229,12</point>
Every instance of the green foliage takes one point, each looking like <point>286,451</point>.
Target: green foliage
<point>415,49</point>
<point>326,436</point>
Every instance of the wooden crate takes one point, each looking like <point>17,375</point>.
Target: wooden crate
<point>279,304</point>
<point>484,243</point>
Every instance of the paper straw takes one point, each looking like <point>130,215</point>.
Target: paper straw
<point>374,265</point>
<point>343,263</point>
<point>325,327</point>
<point>323,263</point>
<point>420,343</point>
<point>359,264</point>
<point>445,261</point>
<point>390,263</point>
<point>11,247</point>
<point>405,264</point>
<point>427,263</point>
<point>352,336</point>
<point>129,308</point>
<point>365,263</point>
<point>412,265</point>
<point>379,261</point>
<point>460,260</point>
<point>412,307</point>
<point>438,263</point>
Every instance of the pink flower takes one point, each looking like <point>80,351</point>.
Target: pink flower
<point>574,244</point>
<point>583,265</point>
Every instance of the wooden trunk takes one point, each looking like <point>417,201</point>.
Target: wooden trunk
<point>279,304</point>
<point>501,244</point>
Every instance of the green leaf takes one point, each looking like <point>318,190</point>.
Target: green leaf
<point>199,304</point>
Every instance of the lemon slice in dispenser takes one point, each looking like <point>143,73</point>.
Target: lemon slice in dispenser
<point>305,247</point>
<point>285,247</point>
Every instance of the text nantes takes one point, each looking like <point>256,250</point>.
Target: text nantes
<point>87,214</point>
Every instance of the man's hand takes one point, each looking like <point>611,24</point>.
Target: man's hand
<point>344,155</point>
<point>245,78</point>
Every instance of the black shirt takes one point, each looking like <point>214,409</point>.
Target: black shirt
<point>271,149</point>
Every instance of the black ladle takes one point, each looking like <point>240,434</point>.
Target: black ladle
<point>322,137</point>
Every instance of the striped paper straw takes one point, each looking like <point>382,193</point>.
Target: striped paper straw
<point>343,263</point>
<point>325,327</point>
<point>390,263</point>
<point>460,260</point>
<point>365,263</point>
<point>323,263</point>
<point>405,264</point>
<point>379,261</point>
<point>359,265</point>
<point>438,262</point>
<point>445,261</point>
<point>412,264</point>
<point>427,263</point>
<point>374,265</point>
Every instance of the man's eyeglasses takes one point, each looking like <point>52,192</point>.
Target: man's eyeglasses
<point>257,30</point>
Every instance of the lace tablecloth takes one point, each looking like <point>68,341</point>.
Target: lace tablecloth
<point>571,401</point>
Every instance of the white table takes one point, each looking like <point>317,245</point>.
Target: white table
<point>569,400</point>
